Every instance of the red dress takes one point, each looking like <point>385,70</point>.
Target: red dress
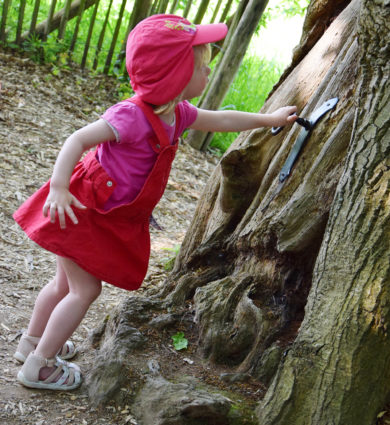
<point>112,245</point>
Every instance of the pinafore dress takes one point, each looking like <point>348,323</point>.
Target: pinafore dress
<point>112,245</point>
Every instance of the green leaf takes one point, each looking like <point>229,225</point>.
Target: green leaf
<point>179,341</point>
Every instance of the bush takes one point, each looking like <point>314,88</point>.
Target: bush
<point>254,81</point>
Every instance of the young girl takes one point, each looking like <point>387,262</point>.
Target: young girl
<point>96,212</point>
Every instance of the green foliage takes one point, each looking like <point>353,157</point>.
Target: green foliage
<point>49,51</point>
<point>124,90</point>
<point>248,92</point>
<point>291,8</point>
<point>179,341</point>
<point>169,262</point>
<point>250,88</point>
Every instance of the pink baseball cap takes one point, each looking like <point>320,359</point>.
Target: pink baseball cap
<point>159,55</point>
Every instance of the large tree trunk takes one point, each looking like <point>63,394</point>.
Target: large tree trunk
<point>292,288</point>
<point>338,369</point>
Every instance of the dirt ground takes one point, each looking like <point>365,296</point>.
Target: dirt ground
<point>37,111</point>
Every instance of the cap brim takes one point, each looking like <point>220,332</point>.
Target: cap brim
<point>209,33</point>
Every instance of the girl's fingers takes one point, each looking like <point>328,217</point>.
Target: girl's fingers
<point>292,118</point>
<point>53,208</point>
<point>61,217</point>
<point>71,214</point>
<point>78,204</point>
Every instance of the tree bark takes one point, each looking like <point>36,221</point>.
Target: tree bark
<point>249,268</point>
<point>229,65</point>
<point>338,369</point>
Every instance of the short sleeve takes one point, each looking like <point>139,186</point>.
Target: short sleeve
<point>124,118</point>
<point>188,114</point>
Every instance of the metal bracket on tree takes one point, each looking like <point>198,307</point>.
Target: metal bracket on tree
<point>308,125</point>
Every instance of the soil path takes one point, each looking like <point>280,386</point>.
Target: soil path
<point>37,112</point>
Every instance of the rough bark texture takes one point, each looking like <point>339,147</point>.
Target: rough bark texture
<point>338,370</point>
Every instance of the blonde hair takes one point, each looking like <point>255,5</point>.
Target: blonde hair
<point>202,56</point>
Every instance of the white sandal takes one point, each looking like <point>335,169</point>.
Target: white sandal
<point>28,343</point>
<point>63,378</point>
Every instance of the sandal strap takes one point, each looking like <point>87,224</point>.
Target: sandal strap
<point>67,349</point>
<point>61,374</point>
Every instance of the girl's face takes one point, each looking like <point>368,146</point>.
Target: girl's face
<point>200,75</point>
<point>198,82</point>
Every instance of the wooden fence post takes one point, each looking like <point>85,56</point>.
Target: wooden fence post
<point>64,20</point>
<point>90,29</point>
<point>201,11</point>
<point>114,38</point>
<point>54,19</point>
<point>141,10</point>
<point>22,7</point>
<point>6,5</point>
<point>187,9</point>
<point>76,9</point>
<point>228,67</point>
<point>174,7</point>
<point>76,30</point>
<point>49,19</point>
<point>216,10</point>
<point>34,17</point>
<point>101,37</point>
<point>226,10</point>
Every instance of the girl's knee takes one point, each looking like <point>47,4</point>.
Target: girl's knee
<point>58,288</point>
<point>79,281</point>
<point>87,292</point>
<point>95,291</point>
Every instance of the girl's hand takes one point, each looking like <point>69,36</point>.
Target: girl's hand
<point>284,116</point>
<point>60,200</point>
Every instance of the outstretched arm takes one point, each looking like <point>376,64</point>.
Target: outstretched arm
<point>224,121</point>
<point>60,199</point>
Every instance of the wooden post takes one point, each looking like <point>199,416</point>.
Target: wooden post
<point>225,43</point>
<point>54,19</point>
<point>64,20</point>
<point>216,10</point>
<point>154,7</point>
<point>76,30</point>
<point>174,6</point>
<point>101,37</point>
<point>19,28</point>
<point>229,65</point>
<point>48,22</point>
<point>226,10</point>
<point>201,11</point>
<point>163,6</point>
<point>6,5</point>
<point>141,10</point>
<point>187,9</point>
<point>114,38</point>
<point>90,29</point>
<point>34,17</point>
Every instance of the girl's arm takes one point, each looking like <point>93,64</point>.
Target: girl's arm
<point>60,199</point>
<point>239,121</point>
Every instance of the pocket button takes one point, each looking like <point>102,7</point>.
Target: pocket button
<point>109,183</point>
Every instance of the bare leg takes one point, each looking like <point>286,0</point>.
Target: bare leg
<point>47,300</point>
<point>69,312</point>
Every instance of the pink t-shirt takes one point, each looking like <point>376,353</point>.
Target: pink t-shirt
<point>130,158</point>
